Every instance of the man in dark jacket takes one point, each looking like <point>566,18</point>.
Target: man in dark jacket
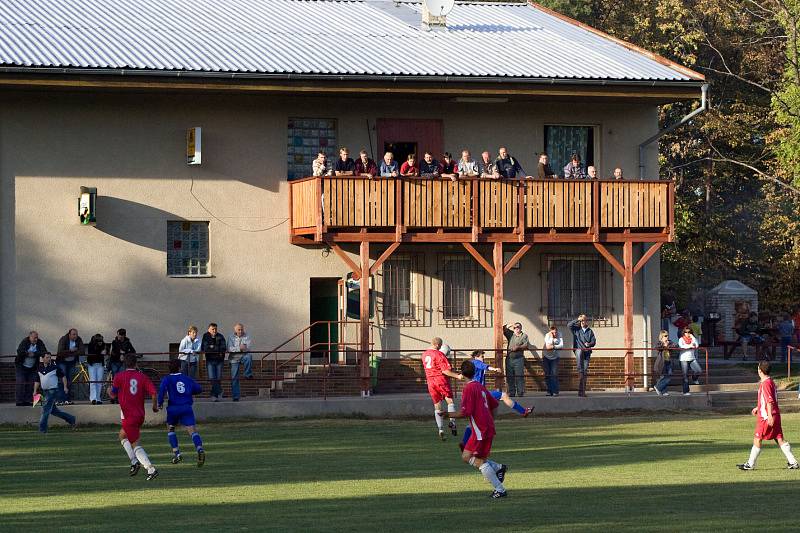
<point>120,346</point>
<point>25,364</point>
<point>507,166</point>
<point>70,349</point>
<point>583,341</point>
<point>544,171</point>
<point>213,346</point>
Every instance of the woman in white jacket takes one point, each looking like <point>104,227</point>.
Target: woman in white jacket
<point>688,345</point>
<point>553,342</point>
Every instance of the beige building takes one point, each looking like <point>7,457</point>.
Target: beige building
<point>177,244</point>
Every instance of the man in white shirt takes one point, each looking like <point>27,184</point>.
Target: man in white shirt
<point>188,349</point>
<point>239,346</point>
<point>467,167</point>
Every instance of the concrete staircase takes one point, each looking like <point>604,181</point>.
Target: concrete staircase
<point>313,381</point>
<point>744,401</point>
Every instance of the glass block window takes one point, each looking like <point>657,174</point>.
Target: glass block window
<point>187,248</point>
<point>560,142</point>
<point>306,138</point>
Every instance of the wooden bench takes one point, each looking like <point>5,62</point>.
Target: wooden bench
<point>769,344</point>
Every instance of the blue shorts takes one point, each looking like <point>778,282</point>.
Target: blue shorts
<point>497,394</point>
<point>180,414</point>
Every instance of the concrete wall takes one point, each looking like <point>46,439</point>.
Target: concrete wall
<point>58,274</point>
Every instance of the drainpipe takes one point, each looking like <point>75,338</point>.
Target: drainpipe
<point>645,321</point>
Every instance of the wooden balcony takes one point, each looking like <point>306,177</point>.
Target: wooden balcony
<point>355,209</point>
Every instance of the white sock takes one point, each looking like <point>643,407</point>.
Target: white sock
<point>491,476</point>
<point>495,466</point>
<point>754,456</point>
<point>786,448</point>
<point>129,450</point>
<point>451,408</point>
<point>144,459</point>
<point>439,420</point>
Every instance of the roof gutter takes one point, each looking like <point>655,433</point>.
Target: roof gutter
<point>704,105</point>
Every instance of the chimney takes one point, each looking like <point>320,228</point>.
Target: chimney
<point>432,20</point>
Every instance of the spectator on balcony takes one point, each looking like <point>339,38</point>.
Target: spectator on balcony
<point>70,349</point>
<point>583,342</point>
<point>618,174</point>
<point>468,167</point>
<point>487,167</point>
<point>344,166</point>
<point>96,351</point>
<point>429,167</point>
<point>449,167</point>
<point>515,360</point>
<point>188,351</point>
<point>239,346</point>
<point>544,169</point>
<point>29,351</point>
<point>553,342</point>
<point>591,172</point>
<point>214,346</point>
<point>321,166</point>
<point>688,345</point>
<point>507,166</point>
<point>574,169</point>
<point>365,166</point>
<point>389,168</point>
<point>410,169</point>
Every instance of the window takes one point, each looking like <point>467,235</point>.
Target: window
<point>560,142</point>
<point>465,300</point>
<point>306,138</point>
<point>187,248</point>
<point>401,295</point>
<point>577,284</point>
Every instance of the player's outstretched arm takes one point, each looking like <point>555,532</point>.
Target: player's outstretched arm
<point>452,374</point>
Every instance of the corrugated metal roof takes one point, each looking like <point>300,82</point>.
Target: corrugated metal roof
<point>336,37</point>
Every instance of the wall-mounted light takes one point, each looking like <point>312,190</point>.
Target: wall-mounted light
<point>193,146</point>
<point>87,204</point>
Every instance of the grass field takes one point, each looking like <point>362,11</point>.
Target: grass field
<point>627,473</point>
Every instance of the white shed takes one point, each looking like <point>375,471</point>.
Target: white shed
<point>731,298</point>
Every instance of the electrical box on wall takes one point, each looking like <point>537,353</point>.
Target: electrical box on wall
<point>194,138</point>
<point>87,204</point>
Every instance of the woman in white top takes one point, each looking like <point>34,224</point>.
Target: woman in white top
<point>190,346</point>
<point>688,344</point>
<point>553,342</point>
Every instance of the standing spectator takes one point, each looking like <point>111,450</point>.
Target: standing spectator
<point>583,340</point>
<point>95,360</point>
<point>468,167</point>
<point>429,167</point>
<point>544,169</point>
<point>553,342</point>
<point>507,166</point>
<point>30,349</point>
<point>70,349</point>
<point>239,346</point>
<point>321,166</point>
<point>488,170</point>
<point>785,332</point>
<point>748,332</point>
<point>688,344</point>
<point>47,378</point>
<point>618,174</point>
<point>389,168</point>
<point>120,346</point>
<point>409,169</point>
<point>662,365</point>
<point>515,360</point>
<point>213,346</point>
<point>344,166</point>
<point>188,350</point>
<point>449,167</point>
<point>365,166</point>
<point>574,169</point>
<point>591,172</point>
<point>697,329</point>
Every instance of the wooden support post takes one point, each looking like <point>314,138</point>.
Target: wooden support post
<point>291,210</point>
<point>346,258</point>
<point>383,257</point>
<point>499,339</point>
<point>319,213</point>
<point>364,319</point>
<point>516,257</point>
<point>627,304</point>
<point>481,260</point>
<point>646,257</point>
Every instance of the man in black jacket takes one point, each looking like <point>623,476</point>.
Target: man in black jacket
<point>68,354</point>
<point>583,342</point>
<point>25,365</point>
<point>213,346</point>
<point>120,346</point>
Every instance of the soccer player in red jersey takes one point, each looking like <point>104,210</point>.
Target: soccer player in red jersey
<point>768,420</point>
<point>130,386</point>
<point>437,370</point>
<point>479,406</point>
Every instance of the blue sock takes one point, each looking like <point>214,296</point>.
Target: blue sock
<point>518,408</point>
<point>173,441</point>
<point>198,442</point>
<point>467,433</point>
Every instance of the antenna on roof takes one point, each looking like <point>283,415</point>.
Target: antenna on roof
<point>434,13</point>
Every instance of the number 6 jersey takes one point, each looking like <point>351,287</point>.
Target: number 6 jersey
<point>130,386</point>
<point>179,388</point>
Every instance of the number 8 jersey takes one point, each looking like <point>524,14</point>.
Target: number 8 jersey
<point>130,386</point>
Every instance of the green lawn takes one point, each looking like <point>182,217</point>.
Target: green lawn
<point>632,473</point>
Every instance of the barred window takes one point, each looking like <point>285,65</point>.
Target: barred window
<point>457,287</point>
<point>187,248</point>
<point>400,302</point>
<point>577,284</point>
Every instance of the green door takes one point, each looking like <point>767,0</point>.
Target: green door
<point>324,307</point>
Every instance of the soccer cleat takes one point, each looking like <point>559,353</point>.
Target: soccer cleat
<point>152,475</point>
<point>69,402</point>
<point>441,435</point>
<point>452,426</point>
<point>745,466</point>
<point>201,458</point>
<point>501,474</point>
<point>528,411</point>
<point>792,466</point>
<point>499,494</point>
<point>177,458</point>
<point>135,468</point>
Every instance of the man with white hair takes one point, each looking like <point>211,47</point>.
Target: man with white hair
<point>239,346</point>
<point>592,172</point>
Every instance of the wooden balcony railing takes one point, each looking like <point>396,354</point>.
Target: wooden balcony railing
<point>472,210</point>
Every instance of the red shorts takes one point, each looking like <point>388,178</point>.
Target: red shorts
<point>765,432</point>
<point>439,390</point>
<point>132,429</point>
<point>479,448</point>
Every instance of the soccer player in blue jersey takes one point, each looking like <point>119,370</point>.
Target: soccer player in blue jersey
<point>480,376</point>
<point>180,388</point>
